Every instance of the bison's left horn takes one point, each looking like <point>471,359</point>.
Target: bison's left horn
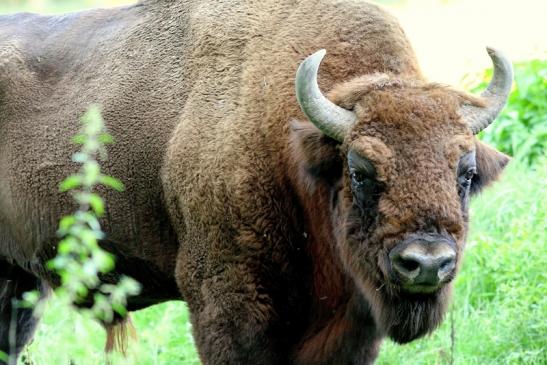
<point>495,95</point>
<point>332,120</point>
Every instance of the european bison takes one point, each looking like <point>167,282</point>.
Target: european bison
<point>297,232</point>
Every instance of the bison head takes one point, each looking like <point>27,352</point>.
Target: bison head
<point>401,161</point>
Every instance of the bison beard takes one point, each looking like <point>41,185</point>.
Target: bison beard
<point>406,317</point>
<point>402,316</point>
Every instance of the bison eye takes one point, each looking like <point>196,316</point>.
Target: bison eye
<point>466,171</point>
<point>358,177</point>
<point>464,180</point>
<point>365,183</point>
<point>361,169</point>
<point>470,174</point>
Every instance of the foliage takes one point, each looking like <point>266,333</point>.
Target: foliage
<point>80,260</point>
<point>521,129</point>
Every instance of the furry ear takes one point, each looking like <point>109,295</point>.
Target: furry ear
<point>318,154</point>
<point>490,164</point>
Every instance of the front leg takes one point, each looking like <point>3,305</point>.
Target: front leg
<point>234,320</point>
<point>243,292</point>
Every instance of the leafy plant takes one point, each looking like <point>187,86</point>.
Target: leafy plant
<point>521,129</point>
<point>80,260</point>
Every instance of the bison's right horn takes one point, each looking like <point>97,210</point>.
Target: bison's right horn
<point>332,120</point>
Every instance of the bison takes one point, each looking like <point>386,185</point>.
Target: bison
<point>299,228</point>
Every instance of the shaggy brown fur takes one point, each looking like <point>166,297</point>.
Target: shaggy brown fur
<point>117,335</point>
<point>231,194</point>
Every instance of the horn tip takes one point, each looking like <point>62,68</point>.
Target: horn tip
<point>491,50</point>
<point>500,59</point>
<point>496,53</point>
<point>319,55</point>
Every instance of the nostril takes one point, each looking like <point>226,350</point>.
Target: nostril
<point>446,263</point>
<point>408,264</point>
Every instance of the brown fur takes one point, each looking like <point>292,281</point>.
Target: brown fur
<point>251,218</point>
<point>117,335</point>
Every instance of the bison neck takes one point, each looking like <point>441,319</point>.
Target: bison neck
<point>340,326</point>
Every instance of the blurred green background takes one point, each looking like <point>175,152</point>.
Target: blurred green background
<point>499,308</point>
<point>56,6</point>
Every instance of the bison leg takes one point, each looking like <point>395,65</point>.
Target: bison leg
<point>17,324</point>
<point>233,320</point>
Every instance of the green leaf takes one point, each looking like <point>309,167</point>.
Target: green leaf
<point>111,182</point>
<point>68,246</point>
<point>30,298</point>
<point>96,204</point>
<point>80,138</point>
<point>120,309</point>
<point>88,238</point>
<point>70,183</point>
<point>106,138</point>
<point>103,261</point>
<point>65,223</point>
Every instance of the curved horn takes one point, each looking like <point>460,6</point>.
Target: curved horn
<point>495,95</point>
<point>332,120</point>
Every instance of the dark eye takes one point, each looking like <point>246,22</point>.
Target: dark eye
<point>358,177</point>
<point>470,174</point>
<point>361,172</point>
<point>464,180</point>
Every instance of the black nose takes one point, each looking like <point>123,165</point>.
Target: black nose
<point>423,265</point>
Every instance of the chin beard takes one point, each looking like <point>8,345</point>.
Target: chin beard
<point>406,317</point>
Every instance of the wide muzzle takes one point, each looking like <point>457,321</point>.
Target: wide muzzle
<point>423,263</point>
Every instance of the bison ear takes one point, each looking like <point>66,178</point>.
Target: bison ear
<point>317,154</point>
<point>490,164</point>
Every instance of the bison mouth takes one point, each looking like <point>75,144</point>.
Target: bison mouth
<point>406,316</point>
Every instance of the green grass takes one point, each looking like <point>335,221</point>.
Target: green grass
<point>498,312</point>
<point>64,337</point>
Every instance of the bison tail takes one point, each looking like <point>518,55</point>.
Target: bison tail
<point>117,335</point>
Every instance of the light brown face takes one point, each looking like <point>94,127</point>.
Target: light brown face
<point>410,162</point>
<point>410,166</point>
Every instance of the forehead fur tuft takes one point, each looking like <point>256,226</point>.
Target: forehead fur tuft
<point>349,93</point>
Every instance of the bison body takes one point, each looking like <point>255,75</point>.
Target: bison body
<point>285,247</point>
